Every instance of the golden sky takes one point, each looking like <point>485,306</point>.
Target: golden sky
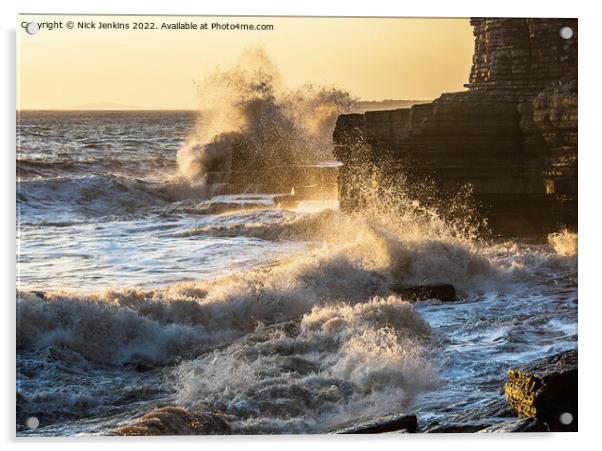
<point>372,58</point>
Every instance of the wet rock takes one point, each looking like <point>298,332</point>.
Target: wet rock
<point>519,425</point>
<point>142,367</point>
<point>546,389</point>
<point>175,421</point>
<point>511,137</point>
<point>435,428</point>
<point>390,423</point>
<point>443,292</point>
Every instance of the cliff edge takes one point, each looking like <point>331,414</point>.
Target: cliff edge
<point>511,136</point>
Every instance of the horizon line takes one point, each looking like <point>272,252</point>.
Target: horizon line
<point>182,109</point>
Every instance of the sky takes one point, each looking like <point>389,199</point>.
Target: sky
<point>372,58</point>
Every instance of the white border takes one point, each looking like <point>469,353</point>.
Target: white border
<point>590,165</point>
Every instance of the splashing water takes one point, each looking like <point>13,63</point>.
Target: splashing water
<point>249,122</point>
<point>338,357</point>
<point>281,320</point>
<point>314,339</point>
<point>564,242</point>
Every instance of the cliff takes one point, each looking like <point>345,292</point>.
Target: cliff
<point>511,136</point>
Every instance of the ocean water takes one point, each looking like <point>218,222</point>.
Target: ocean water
<point>132,295</point>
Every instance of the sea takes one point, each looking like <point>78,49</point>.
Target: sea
<point>133,293</point>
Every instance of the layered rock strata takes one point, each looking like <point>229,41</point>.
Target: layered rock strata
<point>512,136</point>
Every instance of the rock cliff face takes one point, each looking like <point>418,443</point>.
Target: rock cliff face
<point>512,135</point>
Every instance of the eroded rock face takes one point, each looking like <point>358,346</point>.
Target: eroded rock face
<point>522,56</point>
<point>512,136</point>
<point>546,389</point>
<point>175,421</point>
<point>549,125</point>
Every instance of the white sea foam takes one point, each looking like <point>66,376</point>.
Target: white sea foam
<point>369,355</point>
<point>295,344</point>
<point>350,260</point>
<point>564,242</point>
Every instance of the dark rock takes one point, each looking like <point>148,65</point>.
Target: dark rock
<point>546,389</point>
<point>519,425</point>
<point>436,428</point>
<point>143,367</point>
<point>512,137</point>
<point>443,292</point>
<point>310,181</point>
<point>175,421</point>
<point>390,423</point>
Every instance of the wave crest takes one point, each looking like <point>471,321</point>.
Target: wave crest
<point>248,122</point>
<point>306,374</point>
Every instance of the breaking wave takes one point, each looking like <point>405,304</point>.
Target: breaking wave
<point>350,261</point>
<point>361,359</point>
<point>298,345</point>
<point>246,111</point>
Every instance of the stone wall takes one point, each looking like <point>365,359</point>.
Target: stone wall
<point>512,135</point>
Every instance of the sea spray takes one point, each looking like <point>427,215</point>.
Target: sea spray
<point>300,345</point>
<point>162,324</point>
<point>249,123</point>
<point>305,343</point>
<point>312,335</point>
<point>350,260</point>
<point>564,242</point>
<point>310,373</point>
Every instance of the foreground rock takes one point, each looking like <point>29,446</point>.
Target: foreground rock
<point>540,392</point>
<point>546,389</point>
<point>442,292</point>
<point>175,421</point>
<point>454,428</point>
<point>391,423</point>
<point>496,411</point>
<point>519,425</point>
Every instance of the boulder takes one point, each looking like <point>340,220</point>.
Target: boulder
<point>546,389</point>
<point>175,421</point>
<point>446,428</point>
<point>443,292</point>
<point>389,423</point>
